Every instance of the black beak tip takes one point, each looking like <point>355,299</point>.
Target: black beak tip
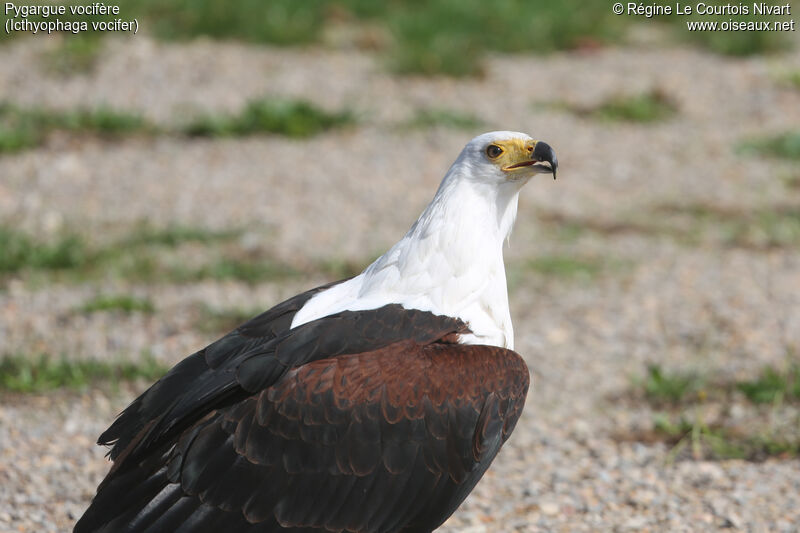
<point>544,152</point>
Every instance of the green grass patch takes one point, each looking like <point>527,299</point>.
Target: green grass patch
<point>279,22</point>
<point>117,302</point>
<point>25,128</point>
<point>100,120</point>
<point>171,254</point>
<point>704,441</point>
<point>292,118</point>
<point>452,38</point>
<point>706,417</point>
<point>18,251</point>
<point>660,386</point>
<point>229,265</point>
<point>565,268</point>
<point>436,37</point>
<point>248,270</point>
<point>564,228</point>
<point>43,373</point>
<point>773,385</point>
<point>719,442</point>
<point>783,145</point>
<point>174,235</point>
<point>445,118</point>
<point>568,266</point>
<point>22,128</point>
<point>150,264</point>
<point>650,107</point>
<point>668,387</point>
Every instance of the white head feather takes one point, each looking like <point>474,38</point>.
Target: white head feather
<point>451,260</point>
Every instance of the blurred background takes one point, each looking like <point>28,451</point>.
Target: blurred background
<point>158,189</point>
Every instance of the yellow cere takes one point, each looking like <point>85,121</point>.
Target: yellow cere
<point>514,152</point>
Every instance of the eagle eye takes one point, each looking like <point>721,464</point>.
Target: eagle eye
<point>493,151</point>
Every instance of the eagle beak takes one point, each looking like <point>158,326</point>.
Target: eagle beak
<point>542,152</point>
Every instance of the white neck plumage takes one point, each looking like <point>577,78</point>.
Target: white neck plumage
<point>450,262</point>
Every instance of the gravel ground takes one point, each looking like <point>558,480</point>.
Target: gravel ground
<point>710,306</point>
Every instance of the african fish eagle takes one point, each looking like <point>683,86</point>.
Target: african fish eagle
<point>373,404</point>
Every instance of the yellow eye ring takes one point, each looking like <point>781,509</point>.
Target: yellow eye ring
<point>493,151</point>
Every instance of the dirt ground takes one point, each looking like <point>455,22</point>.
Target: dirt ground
<point>680,284</point>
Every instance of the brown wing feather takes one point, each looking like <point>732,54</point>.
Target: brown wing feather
<point>389,439</point>
<point>379,441</point>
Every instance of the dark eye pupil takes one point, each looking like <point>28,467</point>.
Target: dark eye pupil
<point>493,150</point>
